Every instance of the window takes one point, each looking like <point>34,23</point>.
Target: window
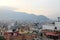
<point>35,36</point>
<point>24,39</point>
<point>33,39</point>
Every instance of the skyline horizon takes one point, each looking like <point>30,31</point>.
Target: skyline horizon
<point>4,8</point>
<point>49,8</point>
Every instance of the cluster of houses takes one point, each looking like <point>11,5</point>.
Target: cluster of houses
<point>18,36</point>
<point>30,32</point>
<point>19,33</point>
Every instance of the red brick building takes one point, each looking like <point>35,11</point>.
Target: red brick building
<point>17,36</point>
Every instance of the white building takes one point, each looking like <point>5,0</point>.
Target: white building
<point>52,26</point>
<point>48,26</point>
<point>57,24</point>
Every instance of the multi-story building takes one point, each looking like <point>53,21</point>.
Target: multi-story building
<point>2,30</point>
<point>52,26</point>
<point>51,30</point>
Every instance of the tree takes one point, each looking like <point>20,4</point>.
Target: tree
<point>2,38</point>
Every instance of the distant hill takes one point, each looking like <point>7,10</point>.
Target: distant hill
<point>8,13</point>
<point>43,18</point>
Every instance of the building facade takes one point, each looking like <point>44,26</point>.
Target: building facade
<point>18,36</point>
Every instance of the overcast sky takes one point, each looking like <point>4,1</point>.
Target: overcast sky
<point>50,8</point>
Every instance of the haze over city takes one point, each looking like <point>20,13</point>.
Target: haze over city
<point>49,8</point>
<point>29,19</point>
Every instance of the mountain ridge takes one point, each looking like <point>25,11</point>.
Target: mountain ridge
<point>7,14</point>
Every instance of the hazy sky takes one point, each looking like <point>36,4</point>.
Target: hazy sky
<point>50,8</point>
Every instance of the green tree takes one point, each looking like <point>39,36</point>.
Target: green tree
<point>2,38</point>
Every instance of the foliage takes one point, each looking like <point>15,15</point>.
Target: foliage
<point>2,38</point>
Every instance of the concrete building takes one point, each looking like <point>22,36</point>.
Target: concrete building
<point>52,26</point>
<point>2,30</point>
<point>57,24</point>
<point>51,30</point>
<point>48,26</point>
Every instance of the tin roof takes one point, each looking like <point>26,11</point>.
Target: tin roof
<point>52,33</point>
